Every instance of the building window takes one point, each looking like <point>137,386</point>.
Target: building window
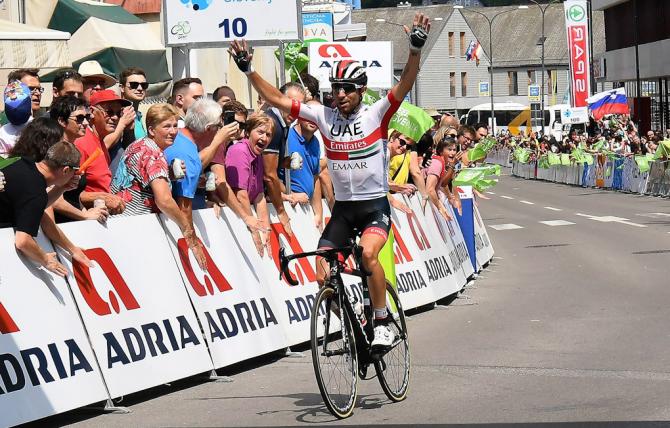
<point>451,43</point>
<point>452,85</point>
<point>531,77</point>
<point>464,84</point>
<point>550,82</point>
<point>463,47</point>
<point>513,82</point>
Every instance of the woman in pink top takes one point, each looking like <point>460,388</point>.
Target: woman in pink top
<point>244,173</point>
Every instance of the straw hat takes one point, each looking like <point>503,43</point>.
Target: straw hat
<point>92,68</point>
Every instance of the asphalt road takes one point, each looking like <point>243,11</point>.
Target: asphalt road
<point>569,324</point>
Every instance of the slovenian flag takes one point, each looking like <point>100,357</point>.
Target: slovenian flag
<point>474,51</point>
<point>609,102</point>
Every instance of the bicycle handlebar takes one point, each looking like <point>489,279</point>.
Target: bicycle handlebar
<point>330,254</point>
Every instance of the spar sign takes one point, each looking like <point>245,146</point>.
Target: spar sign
<point>376,57</point>
<point>577,29</point>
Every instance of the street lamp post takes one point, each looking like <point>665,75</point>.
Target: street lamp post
<point>543,39</point>
<point>490,22</point>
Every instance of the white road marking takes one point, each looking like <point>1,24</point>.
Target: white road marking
<point>527,202</point>
<point>553,209</point>
<point>610,219</point>
<point>508,226</point>
<point>557,223</point>
<point>654,215</point>
<point>490,193</point>
<point>506,197</point>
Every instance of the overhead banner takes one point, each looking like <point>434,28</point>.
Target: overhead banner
<point>577,29</point>
<point>47,365</point>
<point>134,305</point>
<point>376,57</point>
<point>214,23</point>
<point>317,27</point>
<point>231,298</point>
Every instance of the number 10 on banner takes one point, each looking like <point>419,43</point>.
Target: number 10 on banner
<point>237,25</point>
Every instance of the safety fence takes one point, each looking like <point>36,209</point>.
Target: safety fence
<point>145,314</point>
<point>621,174</point>
<point>500,156</point>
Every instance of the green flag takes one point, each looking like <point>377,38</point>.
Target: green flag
<point>480,150</point>
<point>295,60</point>
<point>543,162</point>
<point>521,154</point>
<point>642,163</point>
<point>411,120</point>
<point>565,159</point>
<point>370,97</point>
<point>6,162</point>
<point>476,177</point>
<point>554,159</point>
<point>663,150</point>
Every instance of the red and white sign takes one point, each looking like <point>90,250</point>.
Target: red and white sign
<point>294,302</point>
<point>376,57</point>
<point>47,365</point>
<point>414,286</point>
<point>232,299</point>
<point>134,304</point>
<point>444,252</point>
<point>577,29</point>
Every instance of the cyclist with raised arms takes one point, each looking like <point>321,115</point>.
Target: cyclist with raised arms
<point>355,137</point>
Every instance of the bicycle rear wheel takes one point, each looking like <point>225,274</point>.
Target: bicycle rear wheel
<point>393,369</point>
<point>334,354</point>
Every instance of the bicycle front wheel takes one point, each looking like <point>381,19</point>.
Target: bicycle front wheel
<point>394,367</point>
<point>334,354</point>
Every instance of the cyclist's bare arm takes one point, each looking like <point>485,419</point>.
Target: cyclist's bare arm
<point>418,34</point>
<point>239,50</point>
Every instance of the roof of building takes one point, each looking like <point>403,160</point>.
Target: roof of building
<point>377,31</point>
<point>516,34</point>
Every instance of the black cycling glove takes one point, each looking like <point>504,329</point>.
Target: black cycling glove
<point>417,39</point>
<point>243,61</point>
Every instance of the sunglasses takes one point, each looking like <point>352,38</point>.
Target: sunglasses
<point>346,87</point>
<point>80,118</point>
<point>111,113</point>
<point>402,142</point>
<point>135,85</point>
<point>36,89</point>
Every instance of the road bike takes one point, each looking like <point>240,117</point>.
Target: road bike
<point>342,331</point>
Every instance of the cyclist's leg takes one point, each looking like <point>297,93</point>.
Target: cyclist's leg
<point>375,233</point>
<point>372,241</point>
<point>337,233</point>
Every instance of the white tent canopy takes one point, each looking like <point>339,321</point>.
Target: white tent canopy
<point>25,46</point>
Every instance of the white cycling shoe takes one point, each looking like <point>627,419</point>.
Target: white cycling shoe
<point>384,337</point>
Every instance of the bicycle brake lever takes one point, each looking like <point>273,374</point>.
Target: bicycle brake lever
<point>284,268</point>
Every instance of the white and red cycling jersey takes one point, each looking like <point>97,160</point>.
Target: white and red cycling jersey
<point>355,146</point>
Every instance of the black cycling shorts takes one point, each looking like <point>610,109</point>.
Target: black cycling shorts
<point>351,218</point>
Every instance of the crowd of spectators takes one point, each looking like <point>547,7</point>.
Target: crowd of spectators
<point>617,134</point>
<point>93,155</point>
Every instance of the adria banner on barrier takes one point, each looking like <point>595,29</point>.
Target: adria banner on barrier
<point>46,362</point>
<point>434,250</point>
<point>134,305</point>
<point>484,249</point>
<point>294,302</point>
<point>577,29</point>
<point>232,299</point>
